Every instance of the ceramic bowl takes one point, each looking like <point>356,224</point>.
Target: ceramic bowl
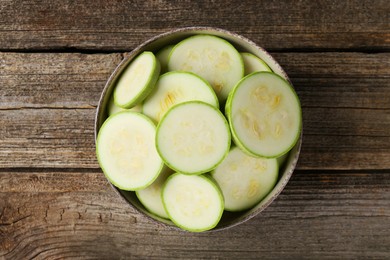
<point>242,44</point>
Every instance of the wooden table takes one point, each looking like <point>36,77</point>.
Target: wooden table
<point>55,57</point>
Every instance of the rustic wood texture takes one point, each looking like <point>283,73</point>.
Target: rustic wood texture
<point>121,25</point>
<point>48,104</point>
<point>319,215</point>
<point>55,58</point>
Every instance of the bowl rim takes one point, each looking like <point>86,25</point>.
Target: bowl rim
<point>289,165</point>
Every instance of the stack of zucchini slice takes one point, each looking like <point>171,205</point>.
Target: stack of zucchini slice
<point>198,128</point>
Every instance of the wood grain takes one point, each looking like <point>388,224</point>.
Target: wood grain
<point>47,138</point>
<point>48,101</point>
<point>121,25</point>
<point>72,80</point>
<point>50,80</point>
<point>76,214</point>
<point>333,139</point>
<point>55,58</point>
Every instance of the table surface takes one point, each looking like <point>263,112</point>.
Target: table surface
<point>55,58</point>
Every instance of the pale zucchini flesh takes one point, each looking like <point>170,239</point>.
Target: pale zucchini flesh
<point>126,150</point>
<point>193,137</point>
<point>176,87</point>
<point>151,197</point>
<point>193,202</point>
<point>210,57</point>
<point>245,180</point>
<point>137,80</point>
<point>113,109</point>
<point>264,114</point>
<point>253,63</point>
<point>163,57</point>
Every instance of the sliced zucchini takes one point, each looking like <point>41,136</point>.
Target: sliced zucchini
<point>137,80</point>
<point>163,56</point>
<point>253,63</point>
<point>174,88</point>
<point>264,114</point>
<point>245,180</point>
<point>151,198</point>
<point>126,150</point>
<point>193,202</point>
<point>113,109</point>
<point>210,57</point>
<point>193,137</point>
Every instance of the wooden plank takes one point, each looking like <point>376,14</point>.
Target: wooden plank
<point>48,101</point>
<point>333,138</point>
<point>71,80</point>
<point>339,80</point>
<point>122,25</point>
<point>54,80</point>
<point>47,138</point>
<point>345,139</point>
<point>76,214</point>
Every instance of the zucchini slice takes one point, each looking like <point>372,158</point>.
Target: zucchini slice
<point>151,198</point>
<point>253,63</point>
<point>113,109</point>
<point>126,150</point>
<point>210,57</point>
<point>245,180</point>
<point>174,88</point>
<point>193,202</point>
<point>137,80</point>
<point>163,57</point>
<point>264,114</point>
<point>193,137</point>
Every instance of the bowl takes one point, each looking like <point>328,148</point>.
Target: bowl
<point>242,44</point>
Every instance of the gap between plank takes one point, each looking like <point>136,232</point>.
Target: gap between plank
<point>50,107</point>
<point>98,170</point>
<point>366,50</point>
<point>48,170</point>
